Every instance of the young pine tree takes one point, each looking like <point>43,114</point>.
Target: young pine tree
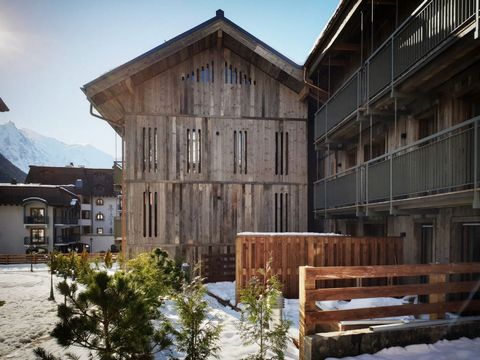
<point>198,337</point>
<point>110,318</point>
<point>256,325</point>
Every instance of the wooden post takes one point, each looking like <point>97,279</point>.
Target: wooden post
<point>437,298</point>
<point>306,327</point>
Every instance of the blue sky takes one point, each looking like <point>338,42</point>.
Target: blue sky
<point>50,48</point>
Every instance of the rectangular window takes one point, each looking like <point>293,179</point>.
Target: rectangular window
<point>155,149</point>
<point>99,230</point>
<point>149,149</point>
<point>239,152</point>
<point>194,151</point>
<point>150,211</point>
<point>37,236</point>
<point>144,151</point>
<point>281,212</point>
<point>281,153</point>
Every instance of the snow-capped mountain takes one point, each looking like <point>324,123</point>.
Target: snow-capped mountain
<point>25,147</point>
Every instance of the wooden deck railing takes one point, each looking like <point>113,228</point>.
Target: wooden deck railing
<point>289,251</point>
<point>410,279</point>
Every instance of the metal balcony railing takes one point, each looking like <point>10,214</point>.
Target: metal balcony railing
<point>35,220</point>
<point>443,162</point>
<point>27,240</point>
<point>412,43</point>
<point>67,239</point>
<point>65,220</point>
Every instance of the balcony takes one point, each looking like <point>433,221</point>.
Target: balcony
<point>70,239</point>
<point>59,220</point>
<point>35,220</point>
<point>411,45</point>
<point>28,240</point>
<point>446,162</point>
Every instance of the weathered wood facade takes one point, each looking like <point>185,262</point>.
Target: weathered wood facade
<point>214,138</point>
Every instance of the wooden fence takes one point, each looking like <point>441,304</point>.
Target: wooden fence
<point>411,280</point>
<point>288,252</point>
<point>11,259</point>
<point>217,261</point>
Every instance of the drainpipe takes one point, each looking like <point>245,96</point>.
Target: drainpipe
<point>477,17</point>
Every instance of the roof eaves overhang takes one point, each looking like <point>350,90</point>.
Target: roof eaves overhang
<point>134,72</point>
<point>331,32</point>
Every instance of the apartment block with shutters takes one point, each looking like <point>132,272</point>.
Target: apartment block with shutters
<point>394,124</point>
<point>214,137</point>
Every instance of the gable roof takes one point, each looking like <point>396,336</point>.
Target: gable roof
<point>95,182</point>
<point>189,43</point>
<point>53,195</point>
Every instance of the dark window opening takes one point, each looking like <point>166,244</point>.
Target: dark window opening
<point>194,151</point>
<point>281,153</point>
<point>239,152</point>
<point>281,212</point>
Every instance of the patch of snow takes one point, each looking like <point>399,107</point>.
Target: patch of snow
<point>461,349</point>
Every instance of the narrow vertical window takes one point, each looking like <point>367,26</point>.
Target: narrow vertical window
<point>144,214</point>
<point>199,150</point>
<point>150,213</point>
<point>144,145</point>
<point>276,153</point>
<point>213,73</point>
<point>281,153</point>
<point>188,151</point>
<point>155,149</point>
<point>276,212</point>
<point>194,151</point>
<point>226,73</point>
<point>234,152</point>
<point>245,150</point>
<point>286,153</point>
<point>150,158</point>
<point>155,214</point>
<point>240,152</point>
<point>281,212</point>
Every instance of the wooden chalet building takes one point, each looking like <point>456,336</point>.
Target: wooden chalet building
<point>396,127</point>
<point>214,135</point>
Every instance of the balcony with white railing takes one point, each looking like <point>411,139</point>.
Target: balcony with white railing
<point>445,162</point>
<point>412,45</point>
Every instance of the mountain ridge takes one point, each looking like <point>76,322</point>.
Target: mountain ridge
<point>24,147</point>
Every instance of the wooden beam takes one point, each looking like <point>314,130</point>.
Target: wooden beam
<point>334,62</point>
<point>353,272</point>
<point>390,311</point>
<point>346,47</point>
<point>349,293</point>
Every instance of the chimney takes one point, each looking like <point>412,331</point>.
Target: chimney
<point>220,13</point>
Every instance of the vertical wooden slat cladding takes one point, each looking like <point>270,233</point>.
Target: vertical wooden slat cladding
<point>289,251</point>
<point>198,197</point>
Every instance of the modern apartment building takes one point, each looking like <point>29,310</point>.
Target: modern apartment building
<point>99,203</point>
<point>395,112</point>
<point>37,218</point>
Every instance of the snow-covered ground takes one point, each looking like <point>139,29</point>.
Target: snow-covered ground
<point>461,349</point>
<point>27,317</point>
